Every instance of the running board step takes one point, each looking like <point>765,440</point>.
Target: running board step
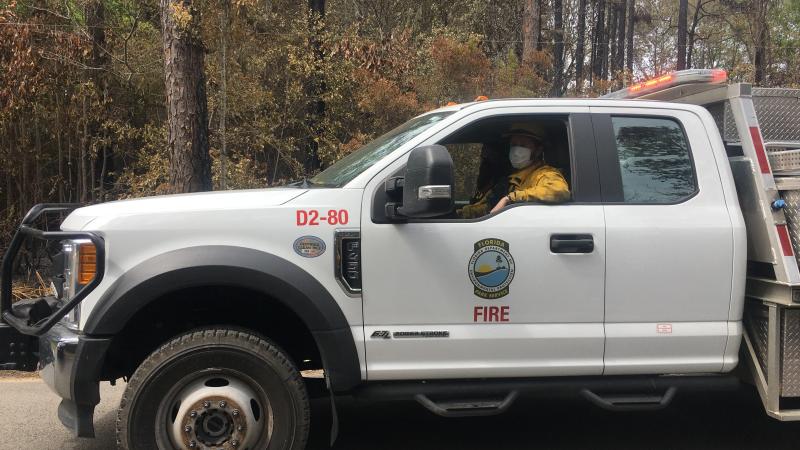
<point>467,408</point>
<point>619,402</point>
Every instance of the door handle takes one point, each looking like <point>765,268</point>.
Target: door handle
<point>571,243</point>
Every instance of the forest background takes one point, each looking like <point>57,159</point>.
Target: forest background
<point>112,99</point>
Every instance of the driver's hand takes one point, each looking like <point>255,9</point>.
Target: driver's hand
<point>500,205</point>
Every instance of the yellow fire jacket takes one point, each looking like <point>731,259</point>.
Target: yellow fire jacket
<point>535,183</point>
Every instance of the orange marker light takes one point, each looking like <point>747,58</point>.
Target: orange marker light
<point>87,264</point>
<point>451,104</point>
<point>664,79</point>
<point>719,75</point>
<point>481,98</point>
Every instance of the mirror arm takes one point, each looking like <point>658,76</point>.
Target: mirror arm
<point>394,188</point>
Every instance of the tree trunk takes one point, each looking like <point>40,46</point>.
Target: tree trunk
<point>692,32</point>
<point>70,174</point>
<point>600,47</point>
<point>610,42</point>
<point>96,22</point>
<point>760,40</point>
<point>37,159</point>
<point>5,136</point>
<point>83,150</point>
<point>631,22</point>
<point>316,86</point>
<point>580,46</point>
<point>223,114</point>
<point>530,30</point>
<point>22,180</point>
<point>540,13</point>
<point>619,63</point>
<point>683,7</point>
<point>61,182</point>
<point>9,199</point>
<point>187,105</point>
<point>558,48</point>
<point>613,14</point>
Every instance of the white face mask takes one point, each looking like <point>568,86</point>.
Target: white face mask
<point>519,156</point>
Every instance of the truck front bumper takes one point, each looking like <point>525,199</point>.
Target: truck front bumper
<point>71,365</point>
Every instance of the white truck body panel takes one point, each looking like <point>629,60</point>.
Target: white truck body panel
<point>555,301</point>
<point>582,314</point>
<point>665,266</point>
<point>259,219</point>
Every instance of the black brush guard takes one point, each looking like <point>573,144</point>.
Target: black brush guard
<point>21,322</point>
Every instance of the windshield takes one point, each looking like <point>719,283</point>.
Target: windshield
<point>349,167</point>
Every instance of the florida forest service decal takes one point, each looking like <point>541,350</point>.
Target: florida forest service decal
<point>491,268</point>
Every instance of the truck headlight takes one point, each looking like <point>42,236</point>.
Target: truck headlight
<point>80,268</point>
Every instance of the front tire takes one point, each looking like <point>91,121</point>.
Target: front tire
<point>217,388</point>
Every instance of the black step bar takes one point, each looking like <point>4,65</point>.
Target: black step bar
<point>25,231</point>
<point>631,402</point>
<point>468,408</point>
<point>459,398</point>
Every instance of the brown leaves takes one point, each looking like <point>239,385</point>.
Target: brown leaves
<point>392,57</point>
<point>463,64</point>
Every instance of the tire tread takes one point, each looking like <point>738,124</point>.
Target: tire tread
<point>249,341</point>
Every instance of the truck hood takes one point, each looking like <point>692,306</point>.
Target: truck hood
<point>182,203</point>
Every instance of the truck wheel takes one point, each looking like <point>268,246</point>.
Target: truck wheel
<point>215,388</point>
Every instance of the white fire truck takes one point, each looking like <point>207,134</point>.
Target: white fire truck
<point>673,263</point>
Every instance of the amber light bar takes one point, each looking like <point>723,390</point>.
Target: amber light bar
<point>710,76</point>
<point>87,263</point>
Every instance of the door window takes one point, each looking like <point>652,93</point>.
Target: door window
<point>654,160</point>
<point>480,153</point>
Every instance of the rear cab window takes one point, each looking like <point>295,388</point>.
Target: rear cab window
<point>654,160</point>
<point>645,160</point>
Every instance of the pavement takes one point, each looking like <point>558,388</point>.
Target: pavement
<point>718,420</point>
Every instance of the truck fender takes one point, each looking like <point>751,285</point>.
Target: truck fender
<point>240,267</point>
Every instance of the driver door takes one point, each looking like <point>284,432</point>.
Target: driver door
<point>494,296</point>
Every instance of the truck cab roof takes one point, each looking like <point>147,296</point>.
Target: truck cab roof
<point>571,101</point>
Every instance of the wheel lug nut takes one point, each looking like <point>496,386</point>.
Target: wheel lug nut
<point>192,444</point>
<point>239,428</point>
<point>222,404</point>
<point>206,404</point>
<point>193,414</point>
<point>187,428</point>
<point>235,412</point>
<point>234,443</point>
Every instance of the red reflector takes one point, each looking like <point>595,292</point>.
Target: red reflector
<point>763,163</point>
<point>719,75</point>
<point>786,244</point>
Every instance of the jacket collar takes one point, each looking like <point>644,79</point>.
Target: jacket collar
<point>525,171</point>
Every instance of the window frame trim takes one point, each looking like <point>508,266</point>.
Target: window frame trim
<point>608,159</point>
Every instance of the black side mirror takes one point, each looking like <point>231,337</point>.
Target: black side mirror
<point>427,187</point>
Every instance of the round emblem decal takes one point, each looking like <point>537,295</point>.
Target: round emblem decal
<point>309,246</point>
<point>491,268</point>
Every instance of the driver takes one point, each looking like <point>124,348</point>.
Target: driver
<point>492,182</point>
<point>532,180</point>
